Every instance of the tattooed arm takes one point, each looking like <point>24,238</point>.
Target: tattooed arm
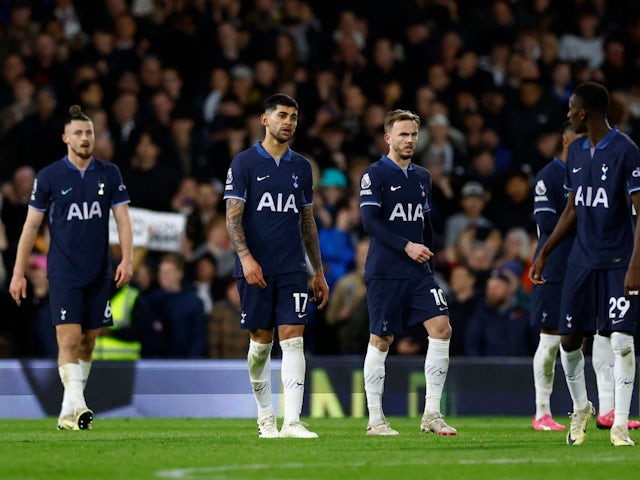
<point>312,247</point>
<point>250,267</point>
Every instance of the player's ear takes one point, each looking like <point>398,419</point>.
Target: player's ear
<point>264,120</point>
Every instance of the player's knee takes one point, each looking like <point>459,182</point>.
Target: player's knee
<point>622,343</point>
<point>439,330</point>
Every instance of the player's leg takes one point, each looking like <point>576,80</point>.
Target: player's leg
<point>382,302</point>
<point>545,311</point>
<point>577,316</point>
<point>624,369</point>
<point>74,414</point>
<point>602,359</point>
<point>256,316</point>
<point>292,298</point>
<point>544,363</point>
<point>436,367</point>
<point>66,303</point>
<point>428,301</point>
<point>618,316</point>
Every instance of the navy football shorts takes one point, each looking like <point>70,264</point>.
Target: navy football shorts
<point>86,305</point>
<point>545,305</point>
<point>593,301</point>
<point>394,305</point>
<point>282,302</point>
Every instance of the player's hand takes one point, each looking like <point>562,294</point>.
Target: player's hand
<point>253,271</point>
<point>320,290</point>
<point>535,271</point>
<point>124,272</point>
<point>18,288</point>
<point>418,252</point>
<point>632,283</point>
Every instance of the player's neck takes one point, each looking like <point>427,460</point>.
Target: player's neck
<point>597,132</point>
<point>401,162</point>
<point>78,162</point>
<point>274,148</point>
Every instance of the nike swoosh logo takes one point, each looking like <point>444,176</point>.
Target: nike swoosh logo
<point>393,189</point>
<point>64,192</point>
<point>576,170</point>
<point>302,315</point>
<point>262,178</point>
<point>615,322</point>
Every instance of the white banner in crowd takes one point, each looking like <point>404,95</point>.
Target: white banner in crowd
<point>159,231</point>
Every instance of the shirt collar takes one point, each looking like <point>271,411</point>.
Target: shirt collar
<point>390,162</point>
<point>602,144</point>
<point>71,166</point>
<point>263,153</point>
<point>560,163</point>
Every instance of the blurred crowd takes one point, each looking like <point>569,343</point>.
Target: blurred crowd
<point>175,89</point>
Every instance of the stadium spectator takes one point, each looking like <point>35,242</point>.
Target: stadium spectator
<point>499,327</point>
<point>218,246</point>
<point>347,298</point>
<point>206,207</point>
<point>13,209</point>
<point>226,340</point>
<point>150,184</point>
<point>473,200</point>
<point>180,312</point>
<point>462,299</point>
<point>132,319</point>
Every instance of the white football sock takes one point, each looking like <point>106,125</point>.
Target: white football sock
<point>624,370</point>
<point>292,373</point>
<point>259,365</point>
<point>374,373</point>
<point>602,359</point>
<point>86,371</point>
<point>544,368</point>
<point>436,366</point>
<point>71,377</point>
<point>573,365</point>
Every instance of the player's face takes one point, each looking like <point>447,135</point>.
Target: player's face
<point>80,139</point>
<point>576,115</point>
<point>402,139</point>
<point>281,123</point>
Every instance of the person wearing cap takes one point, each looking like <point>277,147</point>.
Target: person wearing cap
<point>395,201</point>
<point>473,199</point>
<point>602,280</point>
<point>441,145</point>
<point>269,199</point>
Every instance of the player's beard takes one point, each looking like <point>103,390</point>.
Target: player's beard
<point>280,138</point>
<point>84,153</point>
<point>402,153</point>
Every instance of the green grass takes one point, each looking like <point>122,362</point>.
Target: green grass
<point>228,449</point>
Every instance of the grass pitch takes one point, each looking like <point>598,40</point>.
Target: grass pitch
<point>217,449</point>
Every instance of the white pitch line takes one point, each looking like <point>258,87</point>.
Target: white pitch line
<point>197,472</point>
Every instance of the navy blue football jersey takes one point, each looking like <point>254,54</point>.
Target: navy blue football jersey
<point>601,180</point>
<point>274,194</point>
<point>549,202</point>
<point>400,199</point>
<point>78,205</point>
